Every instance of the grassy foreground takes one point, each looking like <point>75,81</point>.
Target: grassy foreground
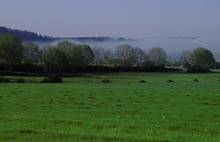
<point>125,110</point>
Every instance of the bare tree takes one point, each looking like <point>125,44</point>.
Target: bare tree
<point>125,54</point>
<point>140,56</point>
<point>87,54</point>
<point>157,55</point>
<point>109,56</point>
<point>64,45</point>
<point>31,53</point>
<point>98,55</point>
<point>185,58</point>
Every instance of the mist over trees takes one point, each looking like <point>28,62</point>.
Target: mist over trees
<point>71,58</point>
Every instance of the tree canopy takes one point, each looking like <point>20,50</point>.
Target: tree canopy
<point>125,55</point>
<point>185,58</point>
<point>201,59</point>
<point>69,57</point>
<point>11,51</point>
<point>31,53</point>
<point>158,56</point>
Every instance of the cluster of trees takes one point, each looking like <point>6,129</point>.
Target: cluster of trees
<point>128,56</point>
<point>200,60</point>
<point>69,57</point>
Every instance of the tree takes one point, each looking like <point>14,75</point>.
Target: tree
<point>79,55</point>
<point>109,56</point>
<point>201,59</point>
<point>158,56</point>
<point>98,55</point>
<point>86,53</point>
<point>10,51</point>
<point>74,58</point>
<point>53,59</point>
<point>139,55</point>
<point>31,53</point>
<point>125,55</point>
<point>185,58</point>
<point>64,45</point>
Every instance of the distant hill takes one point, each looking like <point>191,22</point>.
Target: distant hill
<point>31,36</point>
<point>95,39</point>
<point>25,35</point>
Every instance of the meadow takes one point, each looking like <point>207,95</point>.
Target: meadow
<point>84,109</point>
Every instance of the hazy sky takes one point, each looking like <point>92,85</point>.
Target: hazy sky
<point>114,18</point>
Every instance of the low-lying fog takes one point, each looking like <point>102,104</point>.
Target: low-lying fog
<point>172,45</point>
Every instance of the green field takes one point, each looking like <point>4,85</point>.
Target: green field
<point>84,109</point>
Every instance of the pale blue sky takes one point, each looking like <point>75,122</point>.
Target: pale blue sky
<point>114,18</point>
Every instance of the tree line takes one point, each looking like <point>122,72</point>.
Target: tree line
<point>69,57</point>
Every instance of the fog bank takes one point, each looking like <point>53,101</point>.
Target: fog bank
<point>172,45</point>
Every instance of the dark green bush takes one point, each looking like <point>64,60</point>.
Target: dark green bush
<point>45,80</point>
<point>6,80</point>
<point>20,80</point>
<point>52,78</point>
<point>142,81</point>
<point>195,80</point>
<point>170,80</point>
<point>106,80</point>
<point>1,79</point>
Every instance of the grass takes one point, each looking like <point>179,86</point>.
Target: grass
<point>84,109</point>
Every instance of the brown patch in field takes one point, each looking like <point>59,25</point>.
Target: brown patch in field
<point>170,80</point>
<point>204,103</point>
<point>27,132</point>
<point>142,81</point>
<point>194,120</point>
<point>119,105</point>
<point>134,112</point>
<point>78,123</point>
<point>129,98</point>
<point>195,80</point>
<point>112,139</point>
<point>132,127</point>
<point>84,107</point>
<point>174,128</point>
<point>10,138</point>
<point>79,103</point>
<point>101,127</point>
